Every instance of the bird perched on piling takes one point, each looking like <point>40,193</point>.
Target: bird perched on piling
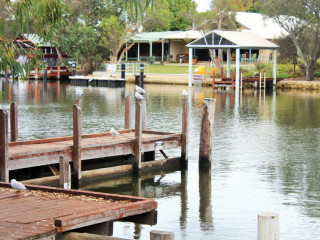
<point>114,132</point>
<point>140,90</point>
<point>17,185</point>
<point>79,92</point>
<point>138,96</point>
<point>184,93</point>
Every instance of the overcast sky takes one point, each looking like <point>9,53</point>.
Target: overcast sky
<point>203,5</point>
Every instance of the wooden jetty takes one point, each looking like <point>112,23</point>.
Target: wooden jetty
<point>47,213</point>
<point>138,142</point>
<point>98,81</point>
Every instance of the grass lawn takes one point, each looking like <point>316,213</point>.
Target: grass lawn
<point>169,69</point>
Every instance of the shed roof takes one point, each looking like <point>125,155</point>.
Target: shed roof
<point>36,40</point>
<point>232,39</point>
<point>152,36</point>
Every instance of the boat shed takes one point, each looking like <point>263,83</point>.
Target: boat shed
<point>233,40</point>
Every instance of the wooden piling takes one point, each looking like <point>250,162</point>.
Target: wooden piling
<point>208,109</point>
<point>138,134</point>
<point>4,146</point>
<point>268,226</point>
<point>76,158</point>
<point>184,137</point>
<point>161,235</point>
<point>64,167</point>
<point>128,113</point>
<point>14,122</point>
<point>59,69</point>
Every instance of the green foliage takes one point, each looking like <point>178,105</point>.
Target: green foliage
<point>159,19</point>
<point>183,12</point>
<point>19,17</point>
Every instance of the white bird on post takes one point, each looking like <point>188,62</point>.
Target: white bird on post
<point>140,90</point>
<point>79,92</point>
<point>17,185</point>
<point>138,96</point>
<point>184,93</point>
<point>114,132</point>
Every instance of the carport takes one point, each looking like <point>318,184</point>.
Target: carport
<point>233,40</point>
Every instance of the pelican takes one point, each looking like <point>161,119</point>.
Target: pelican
<point>184,93</point>
<point>17,185</point>
<point>138,96</point>
<point>114,132</point>
<point>140,90</point>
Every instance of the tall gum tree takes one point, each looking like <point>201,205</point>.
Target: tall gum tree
<point>302,21</point>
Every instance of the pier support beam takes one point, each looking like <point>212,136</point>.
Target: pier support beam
<point>128,113</point>
<point>208,109</point>
<point>184,137</point>
<point>65,172</point>
<point>138,135</point>
<point>76,158</point>
<point>4,146</point>
<point>268,226</point>
<point>14,122</point>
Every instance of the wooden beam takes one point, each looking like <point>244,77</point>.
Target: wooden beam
<point>159,235</point>
<point>138,136</point>
<point>208,109</point>
<point>65,172</point>
<point>128,113</point>
<point>184,137</point>
<point>149,218</point>
<point>4,147</point>
<point>77,131</point>
<point>14,122</point>
<point>54,170</point>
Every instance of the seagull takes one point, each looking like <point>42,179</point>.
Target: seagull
<point>138,96</point>
<point>184,93</point>
<point>114,132</point>
<point>140,90</point>
<point>17,185</point>
<point>79,92</point>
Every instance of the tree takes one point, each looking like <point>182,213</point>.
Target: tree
<point>183,12</point>
<point>23,17</point>
<point>302,21</point>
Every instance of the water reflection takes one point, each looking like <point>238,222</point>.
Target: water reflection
<point>265,155</point>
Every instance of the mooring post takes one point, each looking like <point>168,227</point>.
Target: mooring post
<point>14,122</point>
<point>128,113</point>
<point>4,146</point>
<point>59,69</point>
<point>141,74</point>
<point>161,235</point>
<point>74,69</point>
<point>184,135</point>
<point>123,70</point>
<point>65,172</point>
<point>138,135</point>
<point>207,120</point>
<point>79,103</point>
<point>76,158</point>
<point>268,226</point>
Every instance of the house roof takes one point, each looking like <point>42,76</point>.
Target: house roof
<point>232,39</point>
<point>259,24</point>
<point>159,36</point>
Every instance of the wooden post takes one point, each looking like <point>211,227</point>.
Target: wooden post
<point>232,79</point>
<point>213,79</point>
<point>260,80</point>
<point>64,167</point>
<point>14,122</point>
<point>128,113</point>
<point>79,102</point>
<point>36,73</point>
<point>144,115</point>
<point>207,120</point>
<point>161,235</point>
<point>268,226</point>
<point>4,146</point>
<point>59,68</point>
<point>184,137</point>
<point>76,158</point>
<point>138,135</point>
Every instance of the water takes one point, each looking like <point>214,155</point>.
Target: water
<point>265,156</point>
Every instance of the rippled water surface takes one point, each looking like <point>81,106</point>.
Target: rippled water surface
<point>265,155</point>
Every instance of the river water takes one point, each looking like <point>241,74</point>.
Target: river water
<point>265,155</point>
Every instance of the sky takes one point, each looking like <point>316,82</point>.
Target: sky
<point>203,5</point>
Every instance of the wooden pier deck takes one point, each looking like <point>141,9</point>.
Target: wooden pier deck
<point>44,212</point>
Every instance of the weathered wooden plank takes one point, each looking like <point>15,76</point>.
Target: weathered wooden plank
<point>4,148</point>
<point>65,173</point>
<point>128,113</point>
<point>14,122</point>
